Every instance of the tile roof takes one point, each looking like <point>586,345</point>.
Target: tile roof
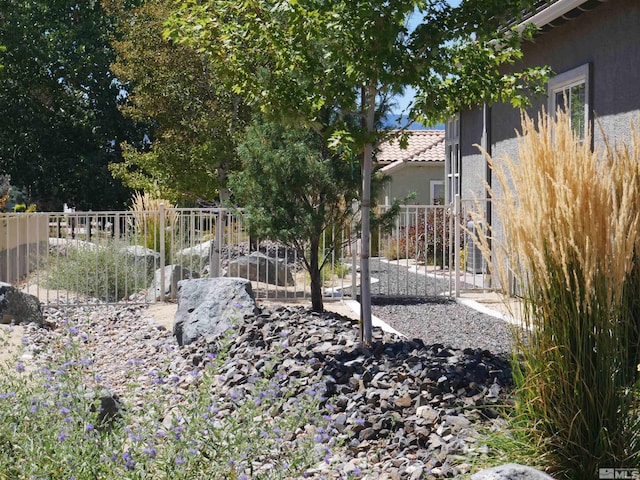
<point>423,146</point>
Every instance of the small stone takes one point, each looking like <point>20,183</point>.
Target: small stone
<point>403,401</point>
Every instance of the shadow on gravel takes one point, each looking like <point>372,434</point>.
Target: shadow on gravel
<point>402,375</point>
<point>380,300</point>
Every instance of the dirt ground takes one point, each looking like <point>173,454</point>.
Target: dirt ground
<point>10,341</point>
<point>162,313</point>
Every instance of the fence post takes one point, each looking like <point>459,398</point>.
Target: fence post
<point>456,243</point>
<point>218,242</point>
<point>354,248</point>
<point>162,252</point>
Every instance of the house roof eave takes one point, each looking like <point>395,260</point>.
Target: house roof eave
<point>400,164</point>
<point>557,10</point>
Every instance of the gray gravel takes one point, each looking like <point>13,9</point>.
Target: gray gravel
<point>446,322</point>
<point>414,305</point>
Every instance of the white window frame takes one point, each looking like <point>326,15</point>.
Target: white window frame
<point>432,189</point>
<point>571,78</point>
<point>452,160</point>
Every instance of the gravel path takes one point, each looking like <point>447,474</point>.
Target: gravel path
<point>426,314</point>
<point>446,322</point>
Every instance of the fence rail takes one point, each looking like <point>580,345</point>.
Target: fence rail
<point>138,256</point>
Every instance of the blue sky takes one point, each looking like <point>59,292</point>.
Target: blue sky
<point>404,100</point>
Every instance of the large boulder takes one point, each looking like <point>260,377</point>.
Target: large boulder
<point>140,255</point>
<point>62,247</point>
<point>172,275</point>
<point>196,258</point>
<point>19,307</point>
<point>511,471</point>
<point>210,306</point>
<point>259,267</point>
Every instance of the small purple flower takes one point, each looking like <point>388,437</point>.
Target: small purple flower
<point>180,460</point>
<point>64,410</point>
<point>327,459</point>
<point>20,367</point>
<point>150,451</point>
<point>73,330</point>
<point>89,427</point>
<point>135,438</point>
<point>62,436</point>
<point>129,463</point>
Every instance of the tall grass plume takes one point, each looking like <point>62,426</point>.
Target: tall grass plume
<point>147,222</point>
<point>571,239</point>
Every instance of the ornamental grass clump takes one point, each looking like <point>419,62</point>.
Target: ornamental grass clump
<point>571,219</point>
<point>148,220</point>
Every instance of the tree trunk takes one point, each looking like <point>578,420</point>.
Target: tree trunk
<point>317,304</point>
<point>365,280</point>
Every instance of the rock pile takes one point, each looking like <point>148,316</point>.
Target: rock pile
<point>400,409</point>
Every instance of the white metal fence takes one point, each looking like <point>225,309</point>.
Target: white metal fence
<point>138,257</point>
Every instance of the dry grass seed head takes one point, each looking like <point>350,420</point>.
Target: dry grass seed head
<point>564,204</point>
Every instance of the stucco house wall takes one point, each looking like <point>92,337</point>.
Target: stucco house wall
<point>417,169</point>
<point>414,178</point>
<point>606,39</point>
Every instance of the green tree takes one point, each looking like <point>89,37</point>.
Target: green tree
<point>295,57</point>
<point>296,190</point>
<point>191,118</point>
<point>60,125</point>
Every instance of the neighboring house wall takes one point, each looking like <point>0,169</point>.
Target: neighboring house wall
<point>417,169</point>
<point>425,180</point>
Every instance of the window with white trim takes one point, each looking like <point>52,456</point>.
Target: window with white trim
<point>437,192</point>
<point>569,92</point>
<point>453,165</point>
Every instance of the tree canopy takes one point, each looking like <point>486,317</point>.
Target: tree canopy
<point>293,58</point>
<point>60,125</point>
<point>190,117</point>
